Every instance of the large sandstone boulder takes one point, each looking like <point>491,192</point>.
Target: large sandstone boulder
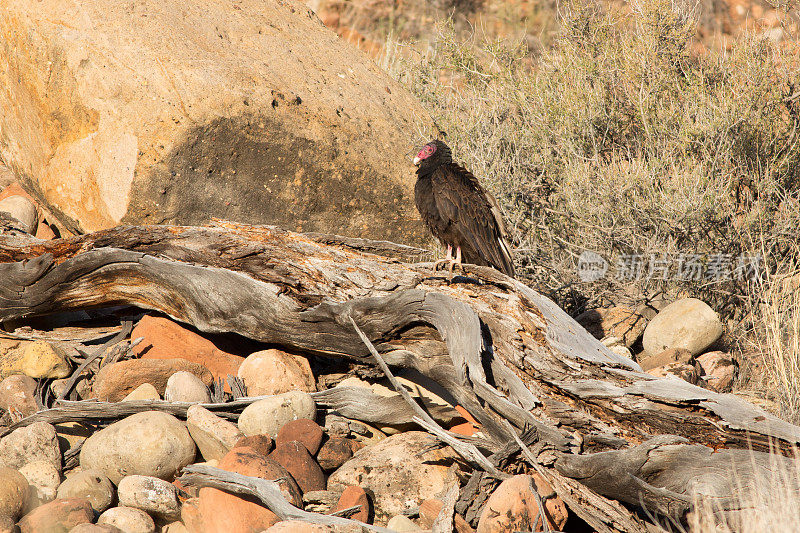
<point>175,111</point>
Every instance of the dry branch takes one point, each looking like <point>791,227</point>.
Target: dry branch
<point>503,351</point>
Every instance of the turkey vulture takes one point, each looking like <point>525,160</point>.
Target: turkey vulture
<point>459,212</point>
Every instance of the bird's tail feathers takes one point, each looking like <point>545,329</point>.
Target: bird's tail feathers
<point>508,261</point>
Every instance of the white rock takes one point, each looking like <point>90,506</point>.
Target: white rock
<point>267,416</point>
<point>150,443</point>
<point>401,471</point>
<point>184,386</point>
<point>688,323</point>
<point>92,485</point>
<point>175,527</point>
<point>150,494</point>
<point>37,442</point>
<point>402,524</point>
<point>44,480</point>
<point>23,210</point>
<point>145,391</point>
<point>128,519</point>
<point>95,528</point>
<point>213,435</point>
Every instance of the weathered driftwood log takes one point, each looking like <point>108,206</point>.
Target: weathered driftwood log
<point>501,349</point>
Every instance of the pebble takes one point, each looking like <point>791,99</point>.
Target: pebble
<point>57,515</point>
<point>145,391</point>
<point>334,453</point>
<point>38,359</point>
<point>150,494</point>
<point>294,457</point>
<point>275,372</point>
<point>128,519</point>
<point>400,471</point>
<point>92,485</point>
<point>619,321</point>
<point>267,416</point>
<point>259,443</point>
<point>18,395</point>
<point>402,524</point>
<point>222,511</point>
<point>37,442</point>
<point>115,381</point>
<point>353,496</point>
<point>13,493</point>
<point>44,480</point>
<point>668,356</point>
<point>213,435</point>
<point>95,528</point>
<point>186,387</point>
<point>720,370</point>
<point>150,443</point>
<point>23,210</point>
<point>687,323</point>
<point>513,506</point>
<point>304,431</point>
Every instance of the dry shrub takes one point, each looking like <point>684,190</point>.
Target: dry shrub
<point>619,140</point>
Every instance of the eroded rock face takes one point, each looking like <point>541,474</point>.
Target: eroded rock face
<point>108,122</point>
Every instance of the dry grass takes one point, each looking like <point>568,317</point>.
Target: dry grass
<point>620,141</point>
<point>767,505</point>
<point>776,341</point>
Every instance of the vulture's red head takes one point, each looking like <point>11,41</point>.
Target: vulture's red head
<point>434,151</point>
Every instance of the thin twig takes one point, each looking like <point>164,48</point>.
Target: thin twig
<point>465,450</point>
<point>127,327</point>
<point>267,491</point>
<point>421,413</point>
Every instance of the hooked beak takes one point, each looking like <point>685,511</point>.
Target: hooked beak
<point>416,161</point>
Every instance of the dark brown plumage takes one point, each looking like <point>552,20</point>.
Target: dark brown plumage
<point>459,212</point>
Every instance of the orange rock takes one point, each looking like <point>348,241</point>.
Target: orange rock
<point>303,430</point>
<point>468,417</point>
<point>165,339</point>
<point>720,370</point>
<point>465,429</point>
<point>61,514</point>
<point>45,232</point>
<point>191,517</point>
<point>513,506</point>
<point>116,380</point>
<point>257,443</point>
<point>294,457</point>
<point>430,509</point>
<point>351,497</point>
<point>334,453</point>
<point>227,513</point>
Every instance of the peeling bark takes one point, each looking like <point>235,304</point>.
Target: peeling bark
<point>502,350</point>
